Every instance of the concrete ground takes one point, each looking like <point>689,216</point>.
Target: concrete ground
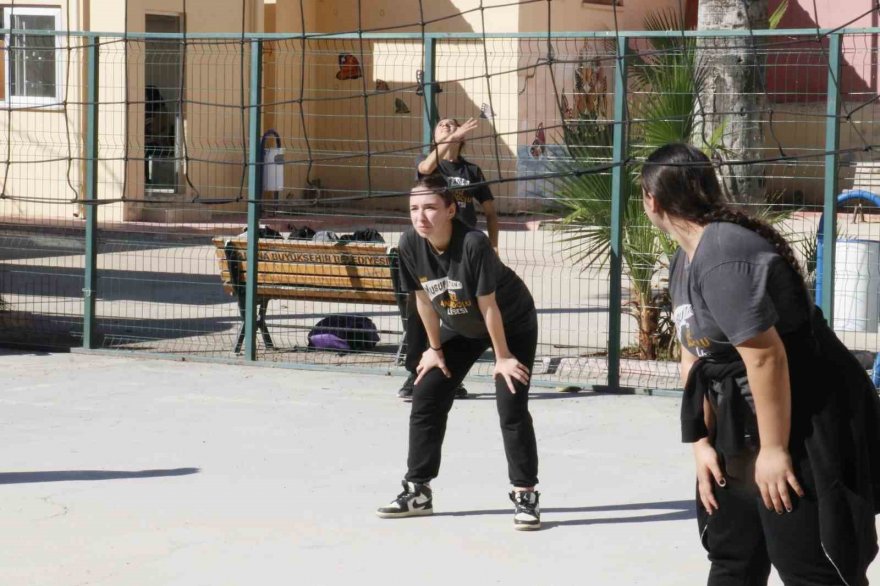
<point>122,471</point>
<point>159,291</point>
<point>162,293</point>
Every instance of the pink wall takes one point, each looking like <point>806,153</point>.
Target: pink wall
<point>800,73</point>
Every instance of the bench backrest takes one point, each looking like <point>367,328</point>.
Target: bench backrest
<point>317,271</point>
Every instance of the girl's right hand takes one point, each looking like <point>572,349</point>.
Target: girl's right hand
<point>774,474</point>
<point>431,359</point>
<point>463,130</point>
<point>708,474</point>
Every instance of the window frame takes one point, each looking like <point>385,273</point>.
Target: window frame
<point>8,99</point>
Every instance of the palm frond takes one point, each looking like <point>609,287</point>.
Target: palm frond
<point>665,86</point>
<point>776,17</point>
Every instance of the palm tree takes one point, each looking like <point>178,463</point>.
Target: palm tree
<point>663,108</point>
<point>662,97</point>
<point>732,96</point>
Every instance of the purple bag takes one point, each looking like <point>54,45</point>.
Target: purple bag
<point>328,341</point>
<point>344,333</point>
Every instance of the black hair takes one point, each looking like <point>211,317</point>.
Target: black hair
<point>435,183</point>
<point>682,180</point>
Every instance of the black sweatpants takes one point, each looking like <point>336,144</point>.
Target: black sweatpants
<point>433,397</point>
<point>416,336</point>
<point>743,538</point>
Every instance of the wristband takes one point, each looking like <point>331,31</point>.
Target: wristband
<point>440,349</point>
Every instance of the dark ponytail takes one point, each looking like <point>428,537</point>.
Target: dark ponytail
<point>682,180</point>
<point>761,228</point>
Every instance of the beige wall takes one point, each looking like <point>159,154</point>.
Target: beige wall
<point>213,125</point>
<point>41,134</point>
<point>333,109</point>
<point>574,15</point>
<point>800,128</point>
<point>520,99</point>
<point>212,133</point>
<point>285,83</point>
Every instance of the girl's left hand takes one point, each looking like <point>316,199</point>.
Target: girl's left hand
<point>774,473</point>
<point>511,368</point>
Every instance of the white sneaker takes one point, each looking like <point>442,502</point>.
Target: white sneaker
<point>415,500</point>
<point>527,513</point>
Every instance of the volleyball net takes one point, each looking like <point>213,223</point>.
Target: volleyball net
<point>169,136</point>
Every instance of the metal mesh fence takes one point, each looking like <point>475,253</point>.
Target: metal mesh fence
<point>351,120</point>
<point>41,236</point>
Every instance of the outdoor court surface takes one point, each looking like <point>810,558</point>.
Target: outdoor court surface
<point>121,471</point>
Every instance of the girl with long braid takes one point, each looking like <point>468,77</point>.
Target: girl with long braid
<point>782,418</point>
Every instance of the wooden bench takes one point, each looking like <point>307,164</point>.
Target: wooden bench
<point>342,272</point>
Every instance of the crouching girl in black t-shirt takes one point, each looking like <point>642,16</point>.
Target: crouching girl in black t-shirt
<point>468,301</point>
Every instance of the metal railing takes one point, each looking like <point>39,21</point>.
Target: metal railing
<point>79,210</point>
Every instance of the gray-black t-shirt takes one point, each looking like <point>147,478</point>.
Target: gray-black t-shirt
<point>460,173</point>
<point>467,269</point>
<point>735,287</point>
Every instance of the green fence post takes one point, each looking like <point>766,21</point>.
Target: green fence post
<point>255,177</point>
<point>619,182</point>
<point>429,74</point>
<point>90,276</point>
<point>832,142</point>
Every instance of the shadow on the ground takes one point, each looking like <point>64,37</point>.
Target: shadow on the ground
<point>88,475</point>
<point>184,289</point>
<point>22,351</point>
<point>535,394</point>
<point>674,511</point>
<point>18,242</point>
<point>54,332</point>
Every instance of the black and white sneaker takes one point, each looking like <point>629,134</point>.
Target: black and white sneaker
<point>406,390</point>
<point>526,513</point>
<point>415,500</point>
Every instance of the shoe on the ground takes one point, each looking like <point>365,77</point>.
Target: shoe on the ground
<point>415,500</point>
<point>527,513</point>
<point>406,390</point>
<point>461,392</point>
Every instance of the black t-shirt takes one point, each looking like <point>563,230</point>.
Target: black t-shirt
<point>462,172</point>
<point>453,280</point>
<point>735,287</point>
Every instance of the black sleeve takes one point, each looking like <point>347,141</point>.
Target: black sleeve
<point>481,193</point>
<point>485,264</point>
<point>405,248</point>
<point>736,295</point>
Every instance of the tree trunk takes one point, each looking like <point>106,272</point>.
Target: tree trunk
<point>649,322</point>
<point>727,116</point>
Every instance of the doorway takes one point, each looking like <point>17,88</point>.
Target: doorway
<point>163,111</point>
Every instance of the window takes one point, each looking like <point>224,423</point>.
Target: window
<point>32,63</point>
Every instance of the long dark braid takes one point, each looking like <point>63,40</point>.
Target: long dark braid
<point>761,228</point>
<point>681,178</point>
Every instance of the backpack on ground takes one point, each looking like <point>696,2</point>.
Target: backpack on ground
<point>344,333</point>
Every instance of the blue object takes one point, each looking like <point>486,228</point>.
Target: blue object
<point>875,373</point>
<point>843,197</point>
